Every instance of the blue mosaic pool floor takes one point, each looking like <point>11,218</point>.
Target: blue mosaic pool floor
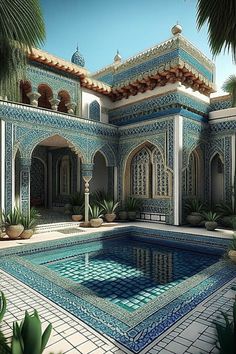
<point>131,274</point>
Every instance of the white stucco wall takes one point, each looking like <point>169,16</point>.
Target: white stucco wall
<point>88,97</point>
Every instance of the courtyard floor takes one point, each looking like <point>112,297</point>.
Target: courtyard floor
<point>194,333</point>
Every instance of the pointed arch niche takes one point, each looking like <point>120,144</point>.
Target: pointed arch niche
<point>146,173</point>
<point>217,179</point>
<point>194,175</point>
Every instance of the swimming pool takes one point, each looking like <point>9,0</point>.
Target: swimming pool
<point>130,284</point>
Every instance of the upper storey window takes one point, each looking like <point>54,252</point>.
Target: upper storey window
<point>95,111</point>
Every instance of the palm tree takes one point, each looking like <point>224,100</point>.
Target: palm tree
<point>230,87</point>
<point>220,18</point>
<point>21,28</point>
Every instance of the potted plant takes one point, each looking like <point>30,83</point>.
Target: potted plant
<point>77,213</point>
<point>109,207</point>
<point>226,212</point>
<point>12,222</point>
<point>29,222</point>
<point>194,208</point>
<point>211,220</point>
<point>95,215</point>
<point>123,214</point>
<point>132,206</point>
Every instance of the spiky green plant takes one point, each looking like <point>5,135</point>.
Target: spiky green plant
<point>194,205</point>
<point>109,206</point>
<point>77,199</point>
<point>21,29</point>
<point>230,86</point>
<point>95,211</point>
<point>227,333</point>
<point>133,204</point>
<point>78,210</point>
<point>14,217</point>
<point>220,18</point>
<point>210,216</point>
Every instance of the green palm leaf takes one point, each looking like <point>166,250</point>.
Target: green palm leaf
<point>21,28</point>
<point>220,17</point>
<point>230,87</point>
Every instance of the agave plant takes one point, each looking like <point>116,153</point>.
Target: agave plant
<point>194,206</point>
<point>109,206</point>
<point>230,86</point>
<point>227,333</point>
<point>210,216</point>
<point>95,211</point>
<point>78,210</point>
<point>225,209</point>
<point>14,217</point>
<point>77,199</point>
<point>133,204</point>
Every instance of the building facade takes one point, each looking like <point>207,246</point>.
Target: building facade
<point>144,127</point>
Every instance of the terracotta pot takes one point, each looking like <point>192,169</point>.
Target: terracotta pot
<point>110,217</point>
<point>211,225</point>
<point>132,215</point>
<point>232,255</point>
<point>77,217</point>
<point>123,215</point>
<point>96,222</point>
<point>194,219</point>
<point>14,231</point>
<point>26,234</point>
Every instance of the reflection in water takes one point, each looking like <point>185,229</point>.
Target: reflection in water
<point>156,265</point>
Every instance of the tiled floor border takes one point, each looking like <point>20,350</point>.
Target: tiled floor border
<point>134,338</point>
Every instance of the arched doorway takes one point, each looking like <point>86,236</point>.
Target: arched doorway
<point>55,173</point>
<point>217,179</point>
<point>99,182</point>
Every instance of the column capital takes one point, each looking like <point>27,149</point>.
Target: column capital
<point>33,97</point>
<point>87,171</point>
<point>54,103</point>
<point>71,107</point>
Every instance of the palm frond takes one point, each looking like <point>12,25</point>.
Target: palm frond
<point>220,18</point>
<point>230,86</point>
<point>21,28</point>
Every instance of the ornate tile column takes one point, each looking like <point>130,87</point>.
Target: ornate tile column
<point>87,173</point>
<point>25,164</point>
<point>9,168</point>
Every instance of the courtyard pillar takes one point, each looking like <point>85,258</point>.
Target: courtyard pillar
<point>25,164</point>
<point>178,148</point>
<point>54,103</point>
<point>34,97</point>
<point>87,172</point>
<point>71,107</point>
<point>8,167</point>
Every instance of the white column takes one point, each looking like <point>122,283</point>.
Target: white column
<point>54,103</point>
<point>78,173</point>
<point>87,172</point>
<point>115,183</point>
<point>2,122</point>
<point>178,151</point>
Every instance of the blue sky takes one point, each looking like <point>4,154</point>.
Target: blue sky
<point>100,27</point>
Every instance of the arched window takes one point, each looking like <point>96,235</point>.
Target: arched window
<point>94,111</point>
<point>140,174</point>
<point>65,175</point>
<point>160,175</point>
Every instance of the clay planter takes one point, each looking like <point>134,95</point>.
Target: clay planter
<point>26,234</point>
<point>232,255</point>
<point>14,231</point>
<point>132,215</point>
<point>77,217</point>
<point>96,222</point>
<point>123,215</point>
<point>211,225</point>
<point>194,219</point>
<point>110,217</point>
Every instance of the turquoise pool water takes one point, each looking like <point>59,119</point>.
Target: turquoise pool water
<point>125,272</point>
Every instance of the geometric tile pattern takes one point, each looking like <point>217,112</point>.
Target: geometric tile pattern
<point>133,330</point>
